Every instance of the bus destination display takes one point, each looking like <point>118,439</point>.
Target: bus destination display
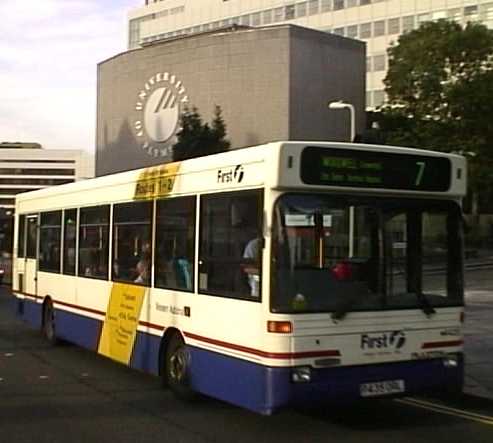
<point>370,169</point>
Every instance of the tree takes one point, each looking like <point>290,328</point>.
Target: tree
<point>440,94</point>
<point>196,138</point>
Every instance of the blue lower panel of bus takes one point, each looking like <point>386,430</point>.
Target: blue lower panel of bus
<point>30,311</point>
<point>264,389</point>
<point>81,330</point>
<point>145,354</point>
<point>253,386</point>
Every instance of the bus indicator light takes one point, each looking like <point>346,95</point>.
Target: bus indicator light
<point>280,327</point>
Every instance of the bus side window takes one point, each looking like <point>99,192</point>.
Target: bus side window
<point>132,242</point>
<point>231,244</point>
<point>50,235</point>
<point>175,243</point>
<point>93,242</point>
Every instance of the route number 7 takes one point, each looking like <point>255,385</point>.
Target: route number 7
<point>421,169</point>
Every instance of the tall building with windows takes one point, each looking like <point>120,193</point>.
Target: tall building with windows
<point>26,167</point>
<point>377,22</point>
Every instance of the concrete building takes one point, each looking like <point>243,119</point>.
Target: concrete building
<point>26,167</point>
<point>376,22</point>
<point>272,83</point>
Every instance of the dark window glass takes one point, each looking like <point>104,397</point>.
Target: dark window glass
<point>231,244</point>
<point>355,254</point>
<point>93,242</point>
<point>21,236</point>
<point>35,181</point>
<point>69,239</point>
<point>132,242</point>
<point>37,171</point>
<point>175,243</point>
<point>32,236</point>
<point>50,234</point>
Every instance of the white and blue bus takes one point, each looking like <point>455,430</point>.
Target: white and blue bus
<point>292,273</point>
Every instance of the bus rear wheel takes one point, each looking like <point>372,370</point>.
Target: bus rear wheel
<point>177,368</point>
<point>49,331</point>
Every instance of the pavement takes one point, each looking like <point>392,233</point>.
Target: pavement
<point>478,325</point>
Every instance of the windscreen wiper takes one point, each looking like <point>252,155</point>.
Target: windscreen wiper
<point>355,293</point>
<point>425,304</point>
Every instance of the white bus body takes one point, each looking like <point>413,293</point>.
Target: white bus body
<point>322,325</point>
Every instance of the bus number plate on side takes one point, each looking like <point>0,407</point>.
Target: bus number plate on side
<point>381,388</point>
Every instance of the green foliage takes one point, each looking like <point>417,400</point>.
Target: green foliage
<point>196,138</point>
<point>440,93</point>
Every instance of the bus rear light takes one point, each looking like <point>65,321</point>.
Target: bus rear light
<point>280,327</point>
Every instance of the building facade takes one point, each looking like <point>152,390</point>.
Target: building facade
<point>27,167</point>
<point>271,83</point>
<point>376,22</point>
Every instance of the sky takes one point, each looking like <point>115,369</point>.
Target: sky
<point>49,51</point>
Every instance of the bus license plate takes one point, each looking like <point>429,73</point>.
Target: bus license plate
<point>381,388</point>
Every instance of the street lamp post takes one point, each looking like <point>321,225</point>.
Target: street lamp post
<point>342,105</point>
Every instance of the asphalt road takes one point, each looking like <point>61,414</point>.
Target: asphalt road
<point>64,393</point>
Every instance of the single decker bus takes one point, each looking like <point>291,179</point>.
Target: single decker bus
<point>292,273</point>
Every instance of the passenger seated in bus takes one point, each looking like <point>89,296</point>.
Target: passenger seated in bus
<point>181,266</point>
<point>251,267</point>
<point>143,272</point>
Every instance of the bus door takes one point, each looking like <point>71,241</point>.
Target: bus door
<point>31,260</point>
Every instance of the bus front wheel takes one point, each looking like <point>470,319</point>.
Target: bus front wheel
<point>177,366</point>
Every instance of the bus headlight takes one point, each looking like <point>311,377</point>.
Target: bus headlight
<point>451,361</point>
<point>303,374</point>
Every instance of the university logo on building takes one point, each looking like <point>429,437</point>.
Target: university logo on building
<point>159,105</point>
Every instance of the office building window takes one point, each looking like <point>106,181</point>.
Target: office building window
<point>422,18</point>
<point>313,7</point>
<point>455,14</point>
<point>352,31</point>
<point>256,19</point>
<point>394,26</point>
<point>379,28</point>
<point>368,64</point>
<point>364,2</point>
<point>487,15</point>
<point>365,30</point>
<point>301,9</point>
<point>378,98</point>
<point>379,62</point>
<point>339,31</point>
<point>437,15</point>
<point>471,13</point>
<point>267,17</point>
<point>351,3</point>
<point>338,4</point>
<point>369,102</point>
<point>325,5</point>
<point>289,12</point>
<point>245,20</point>
<point>278,15</point>
<point>408,23</point>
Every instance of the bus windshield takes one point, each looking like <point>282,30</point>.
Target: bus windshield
<point>345,254</point>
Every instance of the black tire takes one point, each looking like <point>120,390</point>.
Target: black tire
<point>176,373</point>
<point>49,330</point>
